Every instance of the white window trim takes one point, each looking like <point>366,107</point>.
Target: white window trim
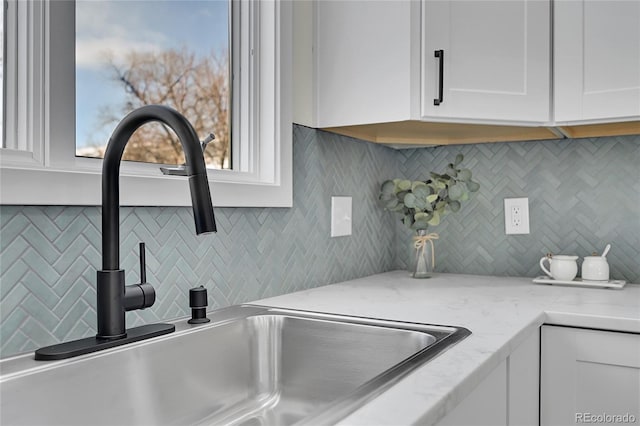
<point>40,106</point>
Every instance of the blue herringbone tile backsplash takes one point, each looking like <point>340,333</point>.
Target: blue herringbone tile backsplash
<point>49,255</point>
<point>583,193</point>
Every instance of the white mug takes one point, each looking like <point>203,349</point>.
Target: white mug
<point>595,268</point>
<point>561,267</point>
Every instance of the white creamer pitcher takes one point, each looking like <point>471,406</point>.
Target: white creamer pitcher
<point>561,267</point>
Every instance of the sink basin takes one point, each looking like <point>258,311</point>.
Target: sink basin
<point>251,365</point>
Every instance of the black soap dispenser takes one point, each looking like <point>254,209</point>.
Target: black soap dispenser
<point>198,304</point>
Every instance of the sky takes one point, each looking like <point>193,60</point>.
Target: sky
<point>117,26</point>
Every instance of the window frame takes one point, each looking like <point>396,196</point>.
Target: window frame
<point>41,167</point>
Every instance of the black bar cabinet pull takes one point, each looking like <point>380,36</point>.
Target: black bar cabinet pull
<point>440,54</point>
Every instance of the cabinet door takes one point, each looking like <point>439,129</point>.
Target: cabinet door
<point>367,59</point>
<point>589,376</point>
<point>596,59</point>
<point>496,63</point>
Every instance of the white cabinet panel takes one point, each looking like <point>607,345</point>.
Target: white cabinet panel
<point>589,373</point>
<point>367,61</point>
<point>596,59</point>
<point>485,405</point>
<point>496,60</point>
<point>524,382</point>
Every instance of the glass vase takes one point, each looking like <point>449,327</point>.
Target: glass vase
<point>424,258</point>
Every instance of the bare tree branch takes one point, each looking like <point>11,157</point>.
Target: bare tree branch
<point>197,87</point>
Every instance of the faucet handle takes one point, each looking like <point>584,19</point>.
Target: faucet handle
<point>142,295</point>
<point>181,170</point>
<point>143,264</point>
<point>206,141</point>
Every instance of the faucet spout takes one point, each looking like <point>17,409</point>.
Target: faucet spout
<point>196,171</point>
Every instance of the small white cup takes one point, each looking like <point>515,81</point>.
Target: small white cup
<point>595,268</point>
<point>561,267</point>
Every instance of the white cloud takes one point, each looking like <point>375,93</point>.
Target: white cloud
<point>94,52</point>
<point>113,28</point>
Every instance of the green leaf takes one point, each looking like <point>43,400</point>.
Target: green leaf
<point>455,192</point>
<point>458,159</point>
<point>421,203</point>
<point>401,195</point>
<point>386,197</point>
<point>464,175</point>
<point>473,186</point>
<point>435,220</point>
<point>410,200</point>
<point>465,196</point>
<point>452,172</point>
<point>454,206</point>
<point>421,192</point>
<point>431,198</point>
<point>403,185</point>
<point>439,185</point>
<point>398,207</point>
<point>391,203</point>
<point>422,217</point>
<point>387,187</point>
<point>417,184</point>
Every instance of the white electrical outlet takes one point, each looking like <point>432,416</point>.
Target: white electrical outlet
<point>340,216</point>
<point>516,215</point>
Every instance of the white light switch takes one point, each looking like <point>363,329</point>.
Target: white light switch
<point>340,216</point>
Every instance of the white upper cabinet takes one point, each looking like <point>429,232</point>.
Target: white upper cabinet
<point>433,72</point>
<point>596,60</point>
<point>374,61</point>
<point>495,62</point>
<point>367,61</point>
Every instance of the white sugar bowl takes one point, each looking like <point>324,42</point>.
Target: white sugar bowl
<point>595,268</point>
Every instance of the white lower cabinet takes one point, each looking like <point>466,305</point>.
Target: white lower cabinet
<point>589,376</point>
<point>508,396</point>
<point>557,377</point>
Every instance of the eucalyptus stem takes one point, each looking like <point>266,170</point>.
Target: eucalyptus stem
<point>424,203</point>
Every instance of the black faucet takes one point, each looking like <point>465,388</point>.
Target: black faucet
<point>113,297</point>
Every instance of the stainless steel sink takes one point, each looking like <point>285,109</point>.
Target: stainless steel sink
<point>251,365</point>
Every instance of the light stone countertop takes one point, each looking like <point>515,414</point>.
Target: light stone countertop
<point>501,313</point>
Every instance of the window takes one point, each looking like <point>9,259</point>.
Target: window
<point>180,57</point>
<point>40,87</point>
